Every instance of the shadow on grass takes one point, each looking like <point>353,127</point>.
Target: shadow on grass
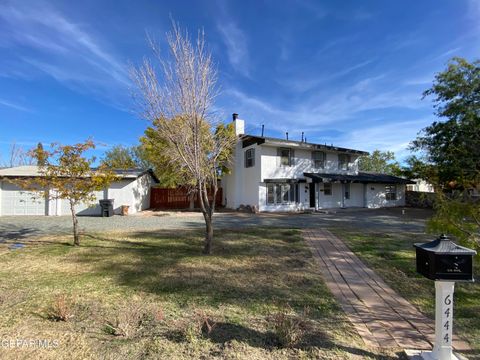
<point>247,267</point>
<point>225,332</point>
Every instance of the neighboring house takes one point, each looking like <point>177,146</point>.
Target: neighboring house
<point>420,185</point>
<point>285,175</point>
<point>132,189</point>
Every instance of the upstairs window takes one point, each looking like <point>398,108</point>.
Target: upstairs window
<point>318,158</point>
<point>286,156</point>
<point>343,161</point>
<point>391,192</point>
<point>250,158</point>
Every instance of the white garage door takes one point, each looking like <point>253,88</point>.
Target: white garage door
<point>16,201</point>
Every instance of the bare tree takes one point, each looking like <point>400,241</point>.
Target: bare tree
<point>179,100</point>
<point>17,156</point>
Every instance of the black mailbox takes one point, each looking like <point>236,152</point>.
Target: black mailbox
<point>442,259</point>
<point>106,207</point>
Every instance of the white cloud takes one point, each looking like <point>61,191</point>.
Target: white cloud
<point>237,47</point>
<point>300,83</point>
<point>393,136</point>
<point>12,105</point>
<point>46,40</point>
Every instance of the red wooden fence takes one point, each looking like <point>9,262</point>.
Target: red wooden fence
<point>178,198</point>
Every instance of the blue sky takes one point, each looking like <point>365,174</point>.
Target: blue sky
<point>349,73</point>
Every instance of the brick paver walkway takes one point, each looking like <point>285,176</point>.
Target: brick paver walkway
<point>381,316</point>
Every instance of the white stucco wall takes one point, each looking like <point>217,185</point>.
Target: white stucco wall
<point>376,196</point>
<point>356,196</point>
<point>241,187</point>
<point>302,163</point>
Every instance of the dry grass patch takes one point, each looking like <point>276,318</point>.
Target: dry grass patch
<point>155,296</point>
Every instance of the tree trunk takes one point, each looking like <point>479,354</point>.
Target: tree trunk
<point>207,249</point>
<point>76,237</point>
<point>207,212</point>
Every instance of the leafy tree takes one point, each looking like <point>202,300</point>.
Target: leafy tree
<point>155,149</point>
<point>121,157</point>
<point>449,150</point>
<point>380,162</point>
<point>179,102</point>
<point>65,173</point>
<point>40,155</point>
<point>453,145</point>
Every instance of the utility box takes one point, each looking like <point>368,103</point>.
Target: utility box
<point>442,259</point>
<point>106,207</point>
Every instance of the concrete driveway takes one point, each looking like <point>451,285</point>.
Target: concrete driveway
<point>22,227</point>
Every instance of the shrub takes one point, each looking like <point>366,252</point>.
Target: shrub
<point>195,326</point>
<point>61,308</point>
<point>287,327</point>
<point>133,319</point>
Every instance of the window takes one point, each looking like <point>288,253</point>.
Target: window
<point>270,193</point>
<point>327,189</point>
<point>318,158</point>
<point>282,194</point>
<point>343,161</point>
<point>347,191</point>
<point>391,192</point>
<point>285,156</point>
<point>250,158</point>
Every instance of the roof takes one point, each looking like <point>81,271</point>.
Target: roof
<point>443,245</point>
<point>248,140</point>
<point>361,177</point>
<point>32,171</point>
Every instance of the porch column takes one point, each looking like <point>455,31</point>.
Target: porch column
<point>343,195</point>
<point>365,204</point>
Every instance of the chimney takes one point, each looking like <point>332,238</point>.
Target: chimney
<point>302,136</point>
<point>286,134</point>
<point>263,128</point>
<point>239,125</point>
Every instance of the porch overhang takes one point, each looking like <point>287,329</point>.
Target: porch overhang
<point>361,177</point>
<point>285,181</point>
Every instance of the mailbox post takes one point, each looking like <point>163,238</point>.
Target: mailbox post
<point>445,262</point>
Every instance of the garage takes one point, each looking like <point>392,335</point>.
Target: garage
<point>131,189</point>
<point>15,201</point>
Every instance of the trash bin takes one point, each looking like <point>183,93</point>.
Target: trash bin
<point>106,207</point>
<point>124,210</point>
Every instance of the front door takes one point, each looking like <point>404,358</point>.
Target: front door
<point>311,187</point>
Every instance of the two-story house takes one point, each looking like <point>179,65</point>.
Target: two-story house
<point>285,175</point>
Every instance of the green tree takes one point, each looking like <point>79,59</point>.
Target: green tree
<point>65,173</point>
<point>179,102</point>
<point>156,148</point>
<point>120,157</point>
<point>378,161</point>
<point>453,145</point>
<point>449,150</point>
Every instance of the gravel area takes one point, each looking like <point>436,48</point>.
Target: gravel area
<point>22,227</point>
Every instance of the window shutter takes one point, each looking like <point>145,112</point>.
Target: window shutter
<point>279,157</point>
<point>245,158</point>
<point>292,157</point>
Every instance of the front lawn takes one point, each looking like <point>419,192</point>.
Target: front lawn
<point>153,295</point>
<point>392,256</point>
